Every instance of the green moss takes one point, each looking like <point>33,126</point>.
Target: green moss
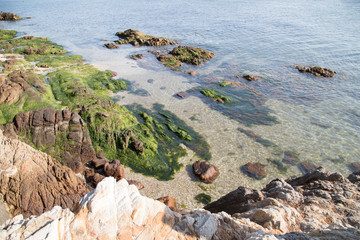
<point>215,95</point>
<point>203,198</point>
<point>224,84</point>
<point>55,60</point>
<point>7,34</point>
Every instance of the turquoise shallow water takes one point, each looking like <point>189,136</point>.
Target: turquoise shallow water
<point>315,117</point>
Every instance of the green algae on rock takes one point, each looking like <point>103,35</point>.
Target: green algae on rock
<point>137,38</point>
<point>214,94</point>
<point>203,198</point>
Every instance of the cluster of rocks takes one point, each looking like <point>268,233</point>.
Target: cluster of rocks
<point>319,205</point>
<point>31,182</point>
<point>306,204</point>
<point>316,71</point>
<point>47,128</point>
<point>7,16</point>
<point>205,171</point>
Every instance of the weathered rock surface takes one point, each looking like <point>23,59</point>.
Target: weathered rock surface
<point>6,16</point>
<point>317,71</point>
<point>255,170</point>
<point>309,204</point>
<point>168,201</point>
<point>116,210</point>
<point>48,127</point>
<point>191,55</point>
<point>250,77</point>
<point>137,38</point>
<point>32,182</point>
<point>206,171</point>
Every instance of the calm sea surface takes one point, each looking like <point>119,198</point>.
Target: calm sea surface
<point>286,111</point>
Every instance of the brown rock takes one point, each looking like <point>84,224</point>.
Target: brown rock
<point>37,182</point>
<point>250,78</point>
<point>207,172</point>
<point>6,16</point>
<point>290,157</point>
<point>183,94</point>
<point>255,170</point>
<point>114,169</point>
<point>317,71</point>
<point>137,38</point>
<point>99,162</point>
<point>138,184</point>
<point>192,73</point>
<point>191,55</point>
<point>96,179</point>
<point>111,45</point>
<point>355,166</point>
<point>137,56</point>
<point>307,167</point>
<point>168,201</point>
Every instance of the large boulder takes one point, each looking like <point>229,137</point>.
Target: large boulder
<point>205,171</point>
<point>62,132</point>
<point>137,38</point>
<point>32,182</point>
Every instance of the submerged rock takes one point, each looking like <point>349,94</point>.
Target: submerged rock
<point>307,167</point>
<point>137,38</point>
<point>183,95</point>
<point>250,78</point>
<point>355,166</point>
<point>291,157</point>
<point>206,171</point>
<point>32,182</point>
<point>317,71</point>
<point>255,170</point>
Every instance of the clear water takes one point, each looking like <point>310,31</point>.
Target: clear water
<point>317,118</point>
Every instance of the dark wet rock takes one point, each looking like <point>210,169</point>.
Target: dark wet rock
<point>206,171</point>
<point>355,166</point>
<point>136,56</point>
<point>183,94</point>
<point>7,16</point>
<point>150,80</point>
<point>111,45</point>
<point>168,201</point>
<point>137,38</point>
<point>255,170</point>
<point>355,177</point>
<point>138,184</point>
<point>236,201</point>
<point>250,78</point>
<point>291,157</point>
<point>48,127</point>
<point>317,71</point>
<point>307,167</point>
<point>114,169</point>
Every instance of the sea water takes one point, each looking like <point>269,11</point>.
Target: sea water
<point>284,111</point>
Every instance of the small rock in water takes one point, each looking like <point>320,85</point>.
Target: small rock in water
<point>317,71</point>
<point>192,73</point>
<point>136,56</point>
<point>290,157</point>
<point>255,170</point>
<point>111,45</point>
<point>307,167</point>
<point>150,80</point>
<point>355,166</point>
<point>205,171</point>
<point>183,94</point>
<point>250,78</point>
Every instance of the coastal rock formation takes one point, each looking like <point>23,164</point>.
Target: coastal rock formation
<point>282,210</point>
<point>250,77</point>
<point>137,38</point>
<point>307,204</point>
<point>48,127</point>
<point>116,210</point>
<point>6,16</point>
<point>32,182</point>
<point>206,171</point>
<point>317,71</point>
<point>255,170</point>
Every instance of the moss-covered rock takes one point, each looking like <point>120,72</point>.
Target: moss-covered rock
<point>137,38</point>
<point>215,95</point>
<point>7,16</point>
